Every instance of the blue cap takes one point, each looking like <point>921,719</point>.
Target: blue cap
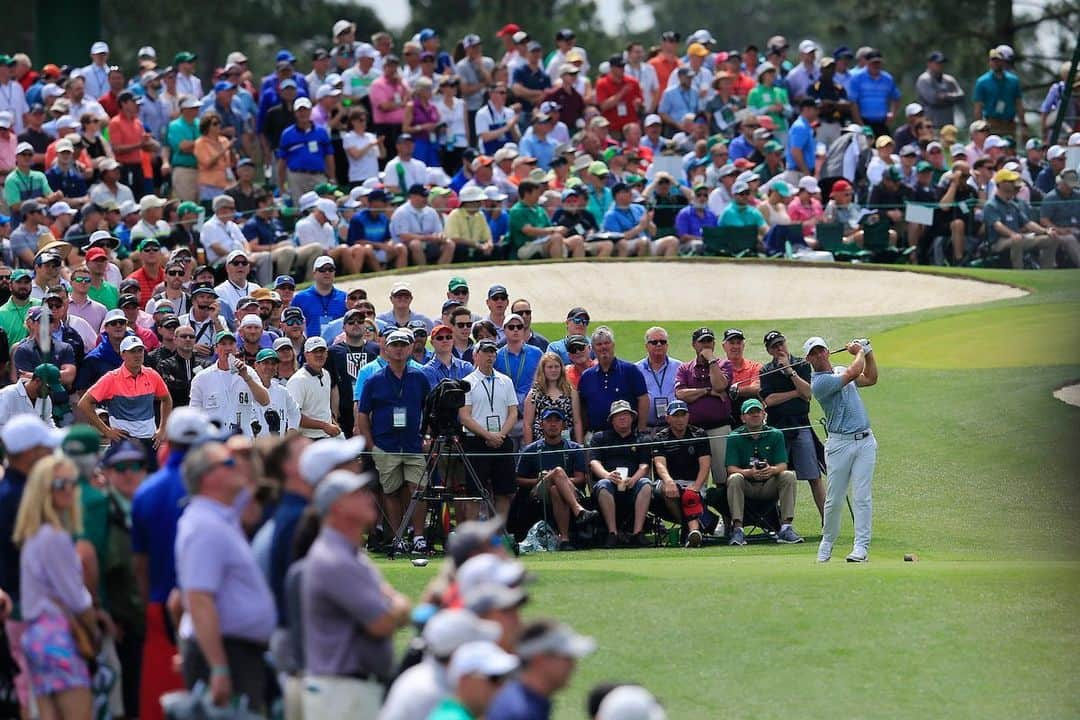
<point>124,451</point>
<point>4,219</point>
<point>677,406</point>
<point>284,56</point>
<point>450,305</point>
<point>843,51</point>
<point>223,85</point>
<point>426,34</point>
<point>281,280</point>
<point>497,290</point>
<point>418,327</point>
<point>556,412</point>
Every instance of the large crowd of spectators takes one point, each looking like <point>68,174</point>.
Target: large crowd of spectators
<point>198,454</point>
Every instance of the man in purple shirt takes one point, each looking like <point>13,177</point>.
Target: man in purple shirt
<point>228,607</point>
<point>692,218</point>
<point>702,383</point>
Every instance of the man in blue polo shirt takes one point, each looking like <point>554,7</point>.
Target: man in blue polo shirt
<point>874,95</point>
<point>801,146</point>
<point>305,154</point>
<point>609,380</point>
<point>517,359</point>
<point>322,303</point>
<point>155,511</point>
<point>389,414</point>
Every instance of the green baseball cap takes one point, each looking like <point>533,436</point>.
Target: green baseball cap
<point>50,375</point>
<point>598,168</point>
<point>893,173</point>
<point>82,440</point>
<point>224,335</point>
<point>457,283</point>
<point>266,354</point>
<point>923,166</point>
<point>187,207</point>
<point>327,189</point>
<point>751,404</point>
<point>20,274</point>
<point>147,242</point>
<point>184,56</point>
<point>773,146</point>
<point>6,60</point>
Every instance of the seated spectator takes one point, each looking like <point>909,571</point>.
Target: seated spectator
<point>635,223</point>
<point>692,219</point>
<point>1010,227</point>
<point>681,460</point>
<point>741,213</point>
<point>575,219</point>
<point>532,233</point>
<point>1060,213</point>
<point>370,227</point>
<point>843,209</point>
<point>757,467</point>
<point>467,228</point>
<point>418,226</point>
<point>620,464</point>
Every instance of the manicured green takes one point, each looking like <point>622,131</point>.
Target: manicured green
<point>977,475</point>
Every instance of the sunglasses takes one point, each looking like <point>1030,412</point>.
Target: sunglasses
<point>7,276</point>
<point>504,298</point>
<point>513,327</point>
<point>185,337</point>
<point>325,268</point>
<point>151,248</point>
<point>74,278</point>
<point>294,322</point>
<point>175,273</point>
<point>441,338</point>
<point>129,466</point>
<point>369,328</point>
<point>579,320</point>
<point>574,350</point>
<point>51,264</point>
<point>205,308</point>
<point>115,322</point>
<point>658,342</point>
<point>354,322</point>
<point>463,324</point>
<point>63,483</point>
<point>228,462</point>
<point>239,263</point>
<point>523,312</point>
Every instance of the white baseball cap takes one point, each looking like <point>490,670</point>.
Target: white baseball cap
<point>130,343</point>
<point>327,91</point>
<point>400,286</point>
<point>336,485</point>
<point>448,630</point>
<point>366,50</point>
<point>653,120</point>
<point>113,315</point>
<point>472,193</point>
<point>322,456</point>
<point>809,184</point>
<point>557,639</point>
<point>186,425</point>
<point>61,208</point>
<point>630,702</point>
<point>812,343</point>
<point>480,657</point>
<point>235,254</point>
<point>251,321</point>
<point>308,200</point>
<point>328,208</point>
<point>1055,152</point>
<point>994,141</point>
<point>6,119</point>
<point>147,51</point>
<point>1074,139</point>
<point>190,103</point>
<point>342,26</point>
<point>913,109</point>
<point>314,343</point>
<point>301,102</point>
<point>487,568</point>
<point>99,47</point>
<point>27,431</point>
<point>807,46</point>
<point>322,260</point>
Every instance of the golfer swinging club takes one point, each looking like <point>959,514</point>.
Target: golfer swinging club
<point>851,450</point>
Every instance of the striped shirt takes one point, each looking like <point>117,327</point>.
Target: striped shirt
<point>130,399</point>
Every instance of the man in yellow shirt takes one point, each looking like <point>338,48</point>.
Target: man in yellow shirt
<point>468,227</point>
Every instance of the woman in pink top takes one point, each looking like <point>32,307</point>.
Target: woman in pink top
<point>806,208</point>
<point>214,157</point>
<point>388,96</point>
<point>420,118</point>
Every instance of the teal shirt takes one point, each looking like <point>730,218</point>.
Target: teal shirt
<point>745,216</point>
<point>997,94</point>
<point>179,131</point>
<point>599,203</point>
<point>19,187</point>
<point>450,709</point>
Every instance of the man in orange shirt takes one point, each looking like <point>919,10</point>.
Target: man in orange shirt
<point>619,95</point>
<point>746,374</point>
<point>129,139</point>
<point>152,272</point>
<point>667,60</point>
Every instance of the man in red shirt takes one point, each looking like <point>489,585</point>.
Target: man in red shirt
<point>667,60</point>
<point>619,95</point>
<point>129,139</point>
<point>152,272</point>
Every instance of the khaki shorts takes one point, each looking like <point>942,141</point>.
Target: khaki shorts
<point>341,697</point>
<point>395,470</point>
<point>185,182</point>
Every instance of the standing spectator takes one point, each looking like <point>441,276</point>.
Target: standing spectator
<point>666,61</point>
<point>52,589</point>
<point>745,381</point>
<point>31,395</point>
<point>420,118</point>
<point>801,77</point>
<point>834,108</point>
<point>130,392</point>
<point>389,95</point>
<point>305,153</point>
<point>477,670</point>
<point>322,302</point>
<point>611,379</point>
<point>476,73</point>
<point>619,96</point>
<point>178,151</point>
<point>226,390</point>
<point>489,415</point>
<point>645,74</point>
<point>229,609</point>
<point>129,141</point>
<point>874,96</point>
<point>361,147</point>
<point>311,387</point>
<point>768,99</point>
<point>12,95</point>
<point>187,83</point>
<point>702,383</point>
<point>997,99</point>
<point>495,123</point>
<point>389,416</point>
<point>938,91</point>
<point>661,369</point>
<point>349,613</point>
<point>518,360</point>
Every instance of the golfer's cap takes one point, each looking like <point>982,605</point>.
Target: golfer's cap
<point>314,343</point>
<point>222,335</point>
<point>336,485</point>
<point>482,599</point>
<point>620,406</point>
<point>702,333</point>
<point>752,404</point>
<point>812,343</point>
<point>123,451</point>
<point>400,288</point>
<point>26,432</point>
<point>399,337</point>
<point>131,342</point>
<point>472,537</point>
<point>630,702</point>
<point>547,637</point>
<point>486,569</point>
<point>320,458</point>
<point>251,321</point>
<point>487,345</point>
<point>1003,176</point>
<point>677,406</point>
<point>186,426</point>
<point>50,375</point>
<point>553,412</point>
<point>496,290</point>
<point>480,657</point>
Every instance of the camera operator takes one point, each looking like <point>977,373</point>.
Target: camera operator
<point>490,411</point>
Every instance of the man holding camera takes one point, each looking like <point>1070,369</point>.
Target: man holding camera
<point>851,450</point>
<point>489,413</point>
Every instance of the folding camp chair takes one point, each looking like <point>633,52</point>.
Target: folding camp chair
<point>876,242</point>
<point>830,237</point>
<point>730,240</point>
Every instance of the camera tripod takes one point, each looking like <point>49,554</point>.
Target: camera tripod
<point>446,445</point>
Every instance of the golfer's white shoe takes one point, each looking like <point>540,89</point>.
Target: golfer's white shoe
<point>858,555</point>
<point>824,552</point>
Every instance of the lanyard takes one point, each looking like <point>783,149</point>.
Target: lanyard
<point>521,365</point>
<point>663,374</point>
<point>489,380</point>
<point>325,302</point>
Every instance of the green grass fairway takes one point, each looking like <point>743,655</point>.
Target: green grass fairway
<point>977,474</point>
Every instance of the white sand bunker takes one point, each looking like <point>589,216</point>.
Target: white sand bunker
<point>1069,394</point>
<point>680,291</point>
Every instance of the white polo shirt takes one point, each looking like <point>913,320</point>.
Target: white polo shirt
<point>224,397</point>
<point>490,399</point>
<point>312,395</point>
<point>310,231</point>
<point>282,403</point>
<point>226,234</point>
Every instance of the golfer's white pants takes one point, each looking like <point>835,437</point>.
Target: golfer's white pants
<point>850,464</point>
